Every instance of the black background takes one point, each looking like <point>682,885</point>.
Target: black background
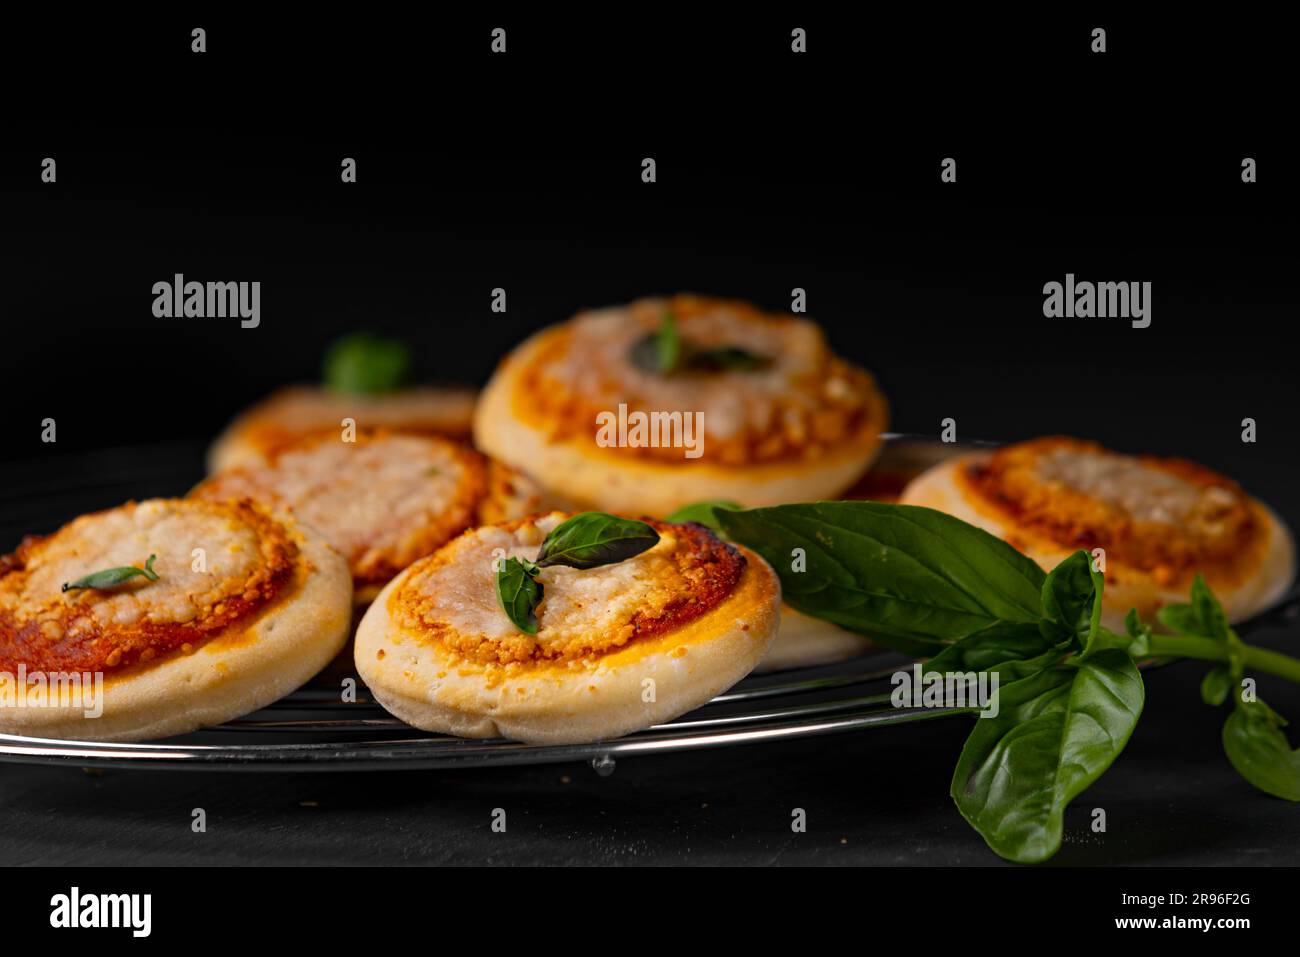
<point>774,171</point>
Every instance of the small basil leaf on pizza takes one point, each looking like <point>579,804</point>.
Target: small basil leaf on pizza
<point>592,539</point>
<point>728,358</point>
<point>664,352</point>
<point>519,592</point>
<point>112,577</point>
<point>661,351</point>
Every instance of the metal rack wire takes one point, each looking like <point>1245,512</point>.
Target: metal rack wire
<point>308,731</point>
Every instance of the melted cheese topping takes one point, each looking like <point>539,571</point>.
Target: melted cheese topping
<point>802,403</point>
<point>246,557</point>
<point>1144,492</point>
<point>382,501</point>
<point>1162,515</point>
<point>452,598</point>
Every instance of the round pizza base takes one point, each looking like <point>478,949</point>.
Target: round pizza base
<point>233,674</point>
<point>296,412</point>
<point>647,682</point>
<point>941,488</point>
<point>593,477</point>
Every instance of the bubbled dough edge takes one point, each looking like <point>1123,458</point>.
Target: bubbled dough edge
<point>641,487</point>
<point>558,706</point>
<point>939,488</point>
<point>228,676</point>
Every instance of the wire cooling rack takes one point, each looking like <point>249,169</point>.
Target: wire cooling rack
<point>311,730</point>
<point>314,730</point>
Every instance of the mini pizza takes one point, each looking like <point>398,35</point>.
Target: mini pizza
<point>651,406</point>
<point>182,613</point>
<point>1159,521</point>
<point>801,642</point>
<point>615,648</point>
<point>381,499</point>
<point>299,411</point>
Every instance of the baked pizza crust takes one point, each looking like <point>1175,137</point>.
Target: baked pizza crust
<point>294,412</point>
<point>240,670</point>
<point>1257,580</point>
<point>415,677</point>
<point>575,469</point>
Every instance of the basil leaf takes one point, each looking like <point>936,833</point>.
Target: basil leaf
<point>701,513</point>
<point>519,593</point>
<point>1056,732</point>
<point>727,358</point>
<point>366,364</point>
<point>1209,612</point>
<point>1204,616</point>
<point>112,577</point>
<point>661,351</point>
<point>1216,685</point>
<point>664,352</point>
<point>1000,647</point>
<point>1258,749</point>
<point>668,345</point>
<point>1139,633</point>
<point>1072,600</point>
<point>593,539</point>
<point>912,578</point>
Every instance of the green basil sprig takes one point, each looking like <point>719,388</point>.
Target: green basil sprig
<point>664,352</point>
<point>1253,738</point>
<point>367,364</point>
<point>1070,693</point>
<point>585,541</point>
<point>112,577</point>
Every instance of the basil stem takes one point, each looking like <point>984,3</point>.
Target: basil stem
<point>112,577</point>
